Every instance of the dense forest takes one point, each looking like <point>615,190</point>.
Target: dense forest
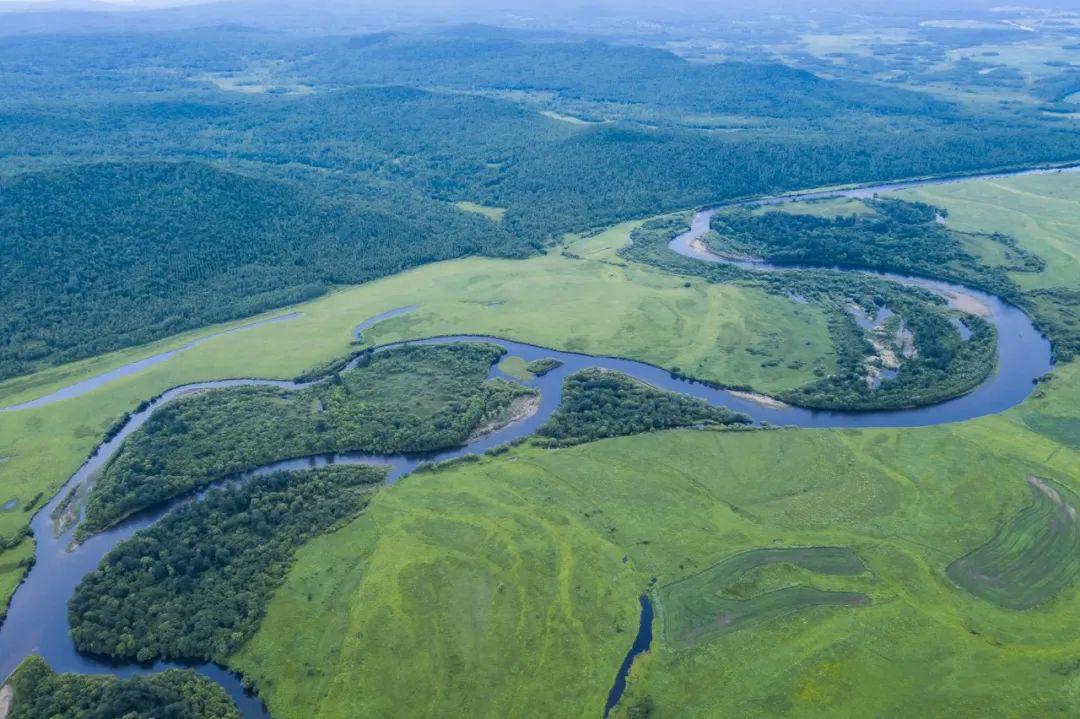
<point>109,255</point>
<point>597,403</point>
<point>412,399</point>
<point>944,366</point>
<point>375,138</point>
<point>893,235</point>
<point>196,584</point>
<point>41,693</point>
<point>597,72</point>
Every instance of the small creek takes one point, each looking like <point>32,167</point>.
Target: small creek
<point>642,642</point>
<point>89,385</point>
<point>37,619</point>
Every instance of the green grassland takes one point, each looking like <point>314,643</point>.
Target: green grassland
<point>1042,212</point>
<point>832,207</point>
<point>489,583</point>
<point>1033,556</point>
<point>752,587</point>
<point>516,368</point>
<point>635,312</point>
<point>495,214</point>
<point>550,300</point>
<point>603,245</point>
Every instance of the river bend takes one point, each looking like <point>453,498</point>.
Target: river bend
<point>37,619</point>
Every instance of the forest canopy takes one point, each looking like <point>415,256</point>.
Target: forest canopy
<point>108,255</point>
<point>41,693</point>
<point>598,403</point>
<point>196,584</point>
<point>416,398</point>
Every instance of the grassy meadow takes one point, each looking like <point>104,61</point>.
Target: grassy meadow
<point>486,584</point>
<point>1042,212</point>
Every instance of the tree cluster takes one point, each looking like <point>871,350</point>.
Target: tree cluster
<point>598,403</point>
<point>417,398</point>
<point>41,693</point>
<point>196,584</point>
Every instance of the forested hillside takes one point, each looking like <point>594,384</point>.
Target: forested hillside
<point>103,256</point>
<point>597,72</point>
<point>378,137</point>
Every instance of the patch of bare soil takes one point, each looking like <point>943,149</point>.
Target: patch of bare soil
<point>1053,495</point>
<point>7,695</point>
<point>762,399</point>
<point>700,247</point>
<point>967,303</point>
<point>520,408</point>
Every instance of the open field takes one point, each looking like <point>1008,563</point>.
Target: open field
<point>1033,555</point>
<point>603,245</point>
<point>495,214</point>
<point>486,584</point>
<point>1041,211</point>
<point>754,586</point>
<point>551,300</point>
<point>833,207</point>
<point>516,368</point>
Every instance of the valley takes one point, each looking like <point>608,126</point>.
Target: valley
<point>418,373</point>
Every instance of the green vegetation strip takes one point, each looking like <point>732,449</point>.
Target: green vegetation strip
<point>722,598</point>
<point>1033,556</point>
<point>40,693</point>
<point>196,584</point>
<point>599,403</point>
<point>411,399</point>
<point>542,366</point>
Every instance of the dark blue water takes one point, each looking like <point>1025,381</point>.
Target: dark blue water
<point>37,619</point>
<point>642,642</point>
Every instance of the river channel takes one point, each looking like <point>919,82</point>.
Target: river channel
<point>37,619</point>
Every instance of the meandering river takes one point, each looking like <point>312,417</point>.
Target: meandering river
<point>37,619</point>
